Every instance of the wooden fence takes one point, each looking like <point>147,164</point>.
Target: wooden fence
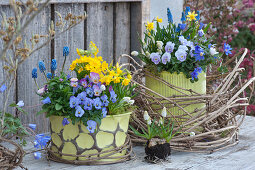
<point>112,25</point>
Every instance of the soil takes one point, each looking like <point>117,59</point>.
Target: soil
<point>157,150</point>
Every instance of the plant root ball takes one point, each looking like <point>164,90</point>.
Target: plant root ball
<point>157,150</point>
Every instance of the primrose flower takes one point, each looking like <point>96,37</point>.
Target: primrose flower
<point>160,44</point>
<point>97,103</point>
<point>227,49</point>
<point>20,103</point>
<point>104,112</point>
<point>97,90</point>
<point>104,99</point>
<point>37,155</point>
<point>146,116</point>
<point>191,16</point>
<point>94,77</point>
<point>32,126</point>
<point>169,47</point>
<point>34,73</point>
<point>155,58</point>
<point>65,122</point>
<point>169,16</point>
<point>199,53</point>
<point>79,111</point>
<point>164,113</point>
<point>134,53</point>
<point>113,96</point>
<point>46,101</point>
<point>41,66</point>
<point>158,19</point>
<point>53,64</point>
<point>88,104</point>
<point>82,97</point>
<point>181,55</point>
<point>149,26</point>
<point>91,126</point>
<point>200,33</point>
<point>73,102</point>
<point>90,91</point>
<point>166,57</point>
<point>65,51</point>
<point>49,75</point>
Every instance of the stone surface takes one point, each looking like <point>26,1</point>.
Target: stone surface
<point>240,156</point>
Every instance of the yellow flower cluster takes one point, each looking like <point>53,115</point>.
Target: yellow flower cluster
<point>96,64</point>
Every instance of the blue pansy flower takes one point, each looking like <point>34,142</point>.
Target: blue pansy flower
<point>41,141</point>
<point>49,75</point>
<point>90,91</point>
<point>65,51</point>
<point>227,49</point>
<point>113,96</point>
<point>104,112</point>
<point>79,111</point>
<point>198,69</point>
<point>200,33</point>
<point>97,103</point>
<point>32,126</point>
<point>53,64</point>
<point>3,88</point>
<point>182,26</point>
<point>104,99</point>
<point>34,73</point>
<point>65,122</point>
<point>91,126</point>
<point>194,75</point>
<point>82,97</point>
<point>73,102</point>
<point>37,155</point>
<point>169,16</point>
<point>68,76</point>
<point>46,101</point>
<point>199,53</point>
<point>41,66</point>
<point>88,104</point>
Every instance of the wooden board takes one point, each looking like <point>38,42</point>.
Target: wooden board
<point>73,38</point>
<point>100,28</point>
<point>26,86</point>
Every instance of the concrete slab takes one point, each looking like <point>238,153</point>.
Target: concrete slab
<point>241,156</point>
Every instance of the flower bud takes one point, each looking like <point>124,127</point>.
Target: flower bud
<point>164,113</point>
<point>146,116</point>
<point>134,53</point>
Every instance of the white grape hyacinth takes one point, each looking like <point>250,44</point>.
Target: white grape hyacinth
<point>164,113</point>
<point>146,116</point>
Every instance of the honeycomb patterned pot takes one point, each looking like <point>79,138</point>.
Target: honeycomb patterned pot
<point>76,139</point>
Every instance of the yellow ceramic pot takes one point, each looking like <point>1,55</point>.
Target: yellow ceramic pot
<point>76,139</point>
<point>178,80</point>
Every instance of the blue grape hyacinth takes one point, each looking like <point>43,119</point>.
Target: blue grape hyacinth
<point>41,66</point>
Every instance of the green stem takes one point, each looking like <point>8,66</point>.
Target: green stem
<point>63,64</point>
<point>36,83</point>
<point>45,76</point>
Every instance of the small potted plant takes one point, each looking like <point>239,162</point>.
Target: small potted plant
<point>159,134</point>
<point>89,113</point>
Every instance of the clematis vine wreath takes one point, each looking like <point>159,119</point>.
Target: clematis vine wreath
<point>179,48</point>
<point>98,90</point>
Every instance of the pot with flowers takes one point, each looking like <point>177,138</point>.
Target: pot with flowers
<point>89,114</point>
<point>179,55</point>
<point>158,134</point>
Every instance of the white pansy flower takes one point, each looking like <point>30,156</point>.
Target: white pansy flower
<point>164,113</point>
<point>102,87</point>
<point>134,53</point>
<point>146,116</point>
<point>20,104</point>
<point>126,99</point>
<point>213,51</point>
<point>160,45</point>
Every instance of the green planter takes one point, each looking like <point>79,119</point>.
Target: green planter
<point>178,80</point>
<point>76,139</point>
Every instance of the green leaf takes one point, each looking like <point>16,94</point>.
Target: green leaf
<point>58,106</point>
<point>13,105</point>
<point>42,111</point>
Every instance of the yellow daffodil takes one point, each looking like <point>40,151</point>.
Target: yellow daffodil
<point>117,79</point>
<point>191,16</point>
<point>149,26</point>
<point>104,66</point>
<point>159,19</point>
<point>119,71</point>
<point>125,82</point>
<point>129,76</point>
<point>93,48</point>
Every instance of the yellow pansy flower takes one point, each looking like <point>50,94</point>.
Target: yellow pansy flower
<point>149,25</point>
<point>191,16</point>
<point>159,19</point>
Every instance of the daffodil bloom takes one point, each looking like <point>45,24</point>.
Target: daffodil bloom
<point>125,82</point>
<point>149,26</point>
<point>159,19</point>
<point>191,16</point>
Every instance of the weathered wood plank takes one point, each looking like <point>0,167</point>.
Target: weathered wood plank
<point>136,26</point>
<point>73,38</point>
<point>122,27</point>
<point>100,28</point>
<point>7,2</point>
<point>6,10</point>
<point>26,86</point>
